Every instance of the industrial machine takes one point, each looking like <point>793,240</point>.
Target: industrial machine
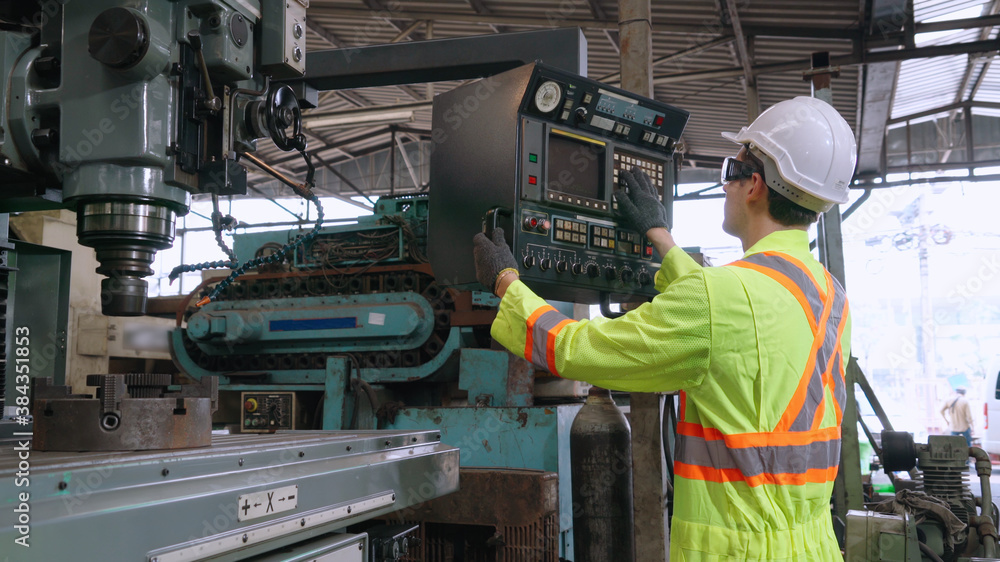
<point>540,152</point>
<point>933,517</point>
<point>122,111</point>
<point>354,331</point>
<point>376,324</point>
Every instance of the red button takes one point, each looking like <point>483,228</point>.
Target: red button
<point>658,121</point>
<point>649,251</point>
<point>534,222</point>
<point>532,180</point>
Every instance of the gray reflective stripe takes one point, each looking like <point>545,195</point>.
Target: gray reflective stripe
<point>540,337</point>
<point>839,390</point>
<point>815,390</point>
<point>753,461</point>
<point>796,275</point>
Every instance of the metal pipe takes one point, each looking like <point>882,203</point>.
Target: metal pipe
<point>857,204</point>
<point>986,530</point>
<point>984,467</point>
<point>300,189</point>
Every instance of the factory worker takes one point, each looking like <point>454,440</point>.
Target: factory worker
<point>757,348</point>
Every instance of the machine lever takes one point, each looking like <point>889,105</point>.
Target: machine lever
<point>212,103</point>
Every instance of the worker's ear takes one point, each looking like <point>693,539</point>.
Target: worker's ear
<point>758,190</point>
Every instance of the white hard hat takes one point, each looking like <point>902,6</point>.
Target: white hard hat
<point>812,147</point>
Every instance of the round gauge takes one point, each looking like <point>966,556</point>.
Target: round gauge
<point>547,96</point>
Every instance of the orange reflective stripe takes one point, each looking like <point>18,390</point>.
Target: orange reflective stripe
<point>811,476</point>
<point>765,439</point>
<point>682,409</point>
<point>530,337</point>
<point>550,346</point>
<point>787,284</point>
<point>798,263</point>
<point>799,398</point>
<point>821,408</point>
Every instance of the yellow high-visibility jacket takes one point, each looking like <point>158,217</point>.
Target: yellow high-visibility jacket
<point>758,349</point>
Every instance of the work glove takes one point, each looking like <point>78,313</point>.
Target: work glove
<point>493,257</point>
<point>639,205</point>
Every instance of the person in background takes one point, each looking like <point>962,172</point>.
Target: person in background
<point>957,413</point>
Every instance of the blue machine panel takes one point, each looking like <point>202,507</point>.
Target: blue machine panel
<point>303,324</point>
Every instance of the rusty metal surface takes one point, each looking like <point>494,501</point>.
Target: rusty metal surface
<point>116,421</point>
<point>520,379</point>
<point>499,515</point>
<point>494,497</point>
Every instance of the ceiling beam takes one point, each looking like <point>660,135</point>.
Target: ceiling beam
<point>344,179</point>
<point>615,77</point>
<point>405,33</point>
<point>970,69</point>
<point>815,31</point>
<point>837,60</point>
<point>391,16</point>
<point>598,12</point>
<point>324,33</point>
<point>876,107</point>
<point>944,109</point>
<point>385,13</point>
<point>481,9</point>
<point>743,56</point>
<point>878,83</point>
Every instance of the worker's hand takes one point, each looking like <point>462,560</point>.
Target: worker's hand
<point>640,204</point>
<point>493,257</point>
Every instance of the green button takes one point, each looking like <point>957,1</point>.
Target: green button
<point>532,158</point>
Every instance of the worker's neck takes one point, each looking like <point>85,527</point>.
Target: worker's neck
<point>760,226</point>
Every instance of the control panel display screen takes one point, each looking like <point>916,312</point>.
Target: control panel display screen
<point>576,167</point>
<point>626,108</point>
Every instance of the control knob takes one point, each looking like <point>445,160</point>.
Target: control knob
<point>644,278</point>
<point>610,273</point>
<point>580,114</point>
<point>593,271</point>
<point>529,262</point>
<point>577,269</point>
<point>561,266</point>
<point>546,264</point>
<point>627,276</point>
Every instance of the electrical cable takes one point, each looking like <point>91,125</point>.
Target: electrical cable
<point>929,553</point>
<point>304,191</point>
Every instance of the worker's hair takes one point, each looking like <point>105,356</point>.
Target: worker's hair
<point>960,390</point>
<point>780,207</point>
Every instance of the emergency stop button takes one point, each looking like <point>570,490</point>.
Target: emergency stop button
<point>250,405</point>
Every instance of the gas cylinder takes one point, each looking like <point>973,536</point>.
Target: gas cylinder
<point>601,455</point>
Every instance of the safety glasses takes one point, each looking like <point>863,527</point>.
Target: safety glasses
<point>733,170</point>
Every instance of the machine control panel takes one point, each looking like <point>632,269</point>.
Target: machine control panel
<point>543,158</point>
<point>267,412</point>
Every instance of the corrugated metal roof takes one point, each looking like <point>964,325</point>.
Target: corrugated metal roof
<point>716,103</point>
<point>929,83</point>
